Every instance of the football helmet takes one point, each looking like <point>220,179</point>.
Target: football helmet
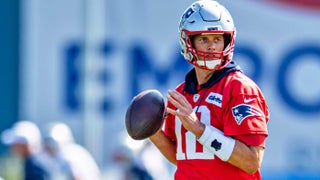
<point>207,17</point>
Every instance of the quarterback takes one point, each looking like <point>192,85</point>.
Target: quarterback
<point>216,125</point>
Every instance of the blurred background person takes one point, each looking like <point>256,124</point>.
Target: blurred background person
<point>139,159</point>
<point>67,159</point>
<point>130,167</point>
<point>58,165</point>
<point>127,161</point>
<point>24,139</point>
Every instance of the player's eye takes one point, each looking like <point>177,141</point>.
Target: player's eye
<point>203,40</point>
<point>218,39</point>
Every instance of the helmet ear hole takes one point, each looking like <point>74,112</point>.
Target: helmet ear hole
<point>227,40</point>
<point>191,37</point>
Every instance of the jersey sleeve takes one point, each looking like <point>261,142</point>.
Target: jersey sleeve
<point>246,112</point>
<point>253,139</point>
<point>169,126</point>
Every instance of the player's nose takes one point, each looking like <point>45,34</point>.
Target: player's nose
<point>211,46</point>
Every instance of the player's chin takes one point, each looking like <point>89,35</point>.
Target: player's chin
<point>206,69</point>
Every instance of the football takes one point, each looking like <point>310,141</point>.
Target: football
<point>145,114</point>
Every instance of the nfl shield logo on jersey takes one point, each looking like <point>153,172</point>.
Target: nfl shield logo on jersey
<point>241,111</point>
<point>196,97</point>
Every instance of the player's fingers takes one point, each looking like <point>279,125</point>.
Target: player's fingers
<point>176,95</point>
<point>172,111</point>
<point>179,97</point>
<point>184,110</point>
<point>177,112</point>
<point>174,102</point>
<point>187,120</point>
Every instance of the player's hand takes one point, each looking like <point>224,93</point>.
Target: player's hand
<point>185,113</point>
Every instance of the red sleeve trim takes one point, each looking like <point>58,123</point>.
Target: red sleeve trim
<point>253,139</point>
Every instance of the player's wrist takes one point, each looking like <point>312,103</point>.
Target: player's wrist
<point>214,139</point>
<point>156,135</point>
<point>199,130</point>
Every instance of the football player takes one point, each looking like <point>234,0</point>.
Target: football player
<point>216,125</point>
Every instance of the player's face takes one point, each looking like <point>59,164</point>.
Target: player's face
<point>209,50</point>
<point>209,43</point>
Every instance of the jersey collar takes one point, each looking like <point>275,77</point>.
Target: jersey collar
<point>191,82</point>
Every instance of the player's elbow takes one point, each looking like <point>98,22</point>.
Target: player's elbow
<point>254,160</point>
<point>252,167</point>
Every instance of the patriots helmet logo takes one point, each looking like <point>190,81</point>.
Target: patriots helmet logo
<point>242,111</point>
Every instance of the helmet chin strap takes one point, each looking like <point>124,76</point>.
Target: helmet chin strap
<point>209,63</point>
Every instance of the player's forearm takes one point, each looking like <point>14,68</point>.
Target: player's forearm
<point>247,158</point>
<point>165,145</point>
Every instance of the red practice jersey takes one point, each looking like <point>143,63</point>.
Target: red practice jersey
<point>231,102</point>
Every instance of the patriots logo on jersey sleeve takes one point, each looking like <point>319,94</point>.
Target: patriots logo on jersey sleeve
<point>242,111</point>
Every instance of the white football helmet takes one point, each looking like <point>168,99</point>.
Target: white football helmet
<point>207,17</point>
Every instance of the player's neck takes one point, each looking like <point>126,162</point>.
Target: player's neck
<point>203,75</point>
